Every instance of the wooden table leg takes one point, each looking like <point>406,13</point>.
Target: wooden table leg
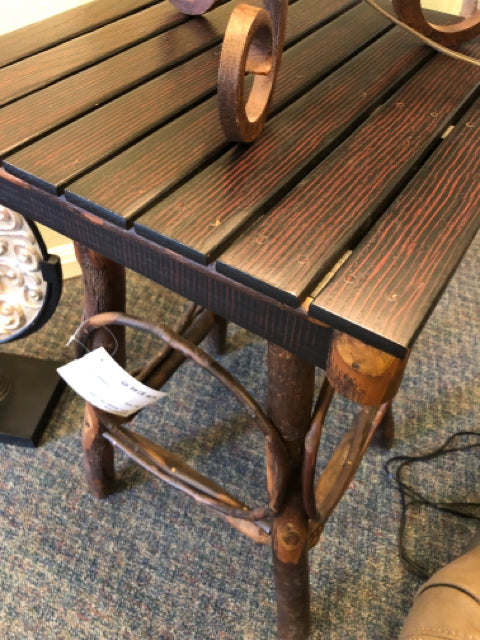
<point>386,430</point>
<point>218,335</point>
<point>290,394</point>
<point>104,290</point>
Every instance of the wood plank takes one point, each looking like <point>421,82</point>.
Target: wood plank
<point>44,68</point>
<point>56,104</point>
<point>201,218</point>
<point>290,328</point>
<point>388,287</point>
<point>171,154</point>
<point>55,29</point>
<point>68,152</point>
<point>299,241</point>
<point>305,16</point>
<point>59,103</point>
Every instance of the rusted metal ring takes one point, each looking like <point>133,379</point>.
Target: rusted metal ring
<point>247,48</point>
<point>411,13</point>
<point>193,7</point>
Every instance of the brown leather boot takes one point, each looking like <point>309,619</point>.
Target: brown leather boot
<point>448,605</point>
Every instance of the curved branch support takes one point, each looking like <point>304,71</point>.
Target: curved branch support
<point>274,440</point>
<point>183,323</point>
<point>175,472</point>
<point>344,463</point>
<point>253,43</point>
<point>312,442</point>
<point>369,377</point>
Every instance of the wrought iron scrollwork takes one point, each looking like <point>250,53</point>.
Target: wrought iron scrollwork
<point>411,13</point>
<point>253,44</point>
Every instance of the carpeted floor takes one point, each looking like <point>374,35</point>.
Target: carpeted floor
<point>148,563</point>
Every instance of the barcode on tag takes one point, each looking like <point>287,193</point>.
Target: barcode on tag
<point>104,383</point>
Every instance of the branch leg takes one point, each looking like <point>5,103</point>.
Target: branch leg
<point>386,429</point>
<point>218,335</point>
<point>104,290</point>
<point>290,394</point>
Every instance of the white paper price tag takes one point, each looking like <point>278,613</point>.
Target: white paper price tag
<point>105,384</point>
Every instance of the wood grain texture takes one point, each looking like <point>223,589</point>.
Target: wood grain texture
<point>48,66</point>
<point>170,154</point>
<point>299,241</point>
<point>357,70</point>
<point>184,146</point>
<point>289,405</point>
<point>58,103</point>
<point>290,328</point>
<point>68,152</point>
<point>104,289</point>
<point>202,217</point>
<point>386,290</point>
<point>55,29</point>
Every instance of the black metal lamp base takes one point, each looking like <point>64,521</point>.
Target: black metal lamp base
<point>35,388</point>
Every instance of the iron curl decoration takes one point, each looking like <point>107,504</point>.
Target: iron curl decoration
<point>411,13</point>
<point>253,44</point>
<point>254,40</point>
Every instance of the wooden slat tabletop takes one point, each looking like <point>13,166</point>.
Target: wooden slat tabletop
<point>351,188</point>
<point>173,152</point>
<point>238,188</point>
<point>113,110</point>
<point>41,69</point>
<point>71,150</point>
<point>397,272</point>
<point>47,33</point>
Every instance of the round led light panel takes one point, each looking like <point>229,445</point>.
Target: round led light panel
<point>24,290</point>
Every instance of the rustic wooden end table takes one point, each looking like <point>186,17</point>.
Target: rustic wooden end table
<point>332,236</point>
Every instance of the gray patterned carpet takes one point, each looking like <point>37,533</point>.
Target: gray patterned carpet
<point>147,563</point>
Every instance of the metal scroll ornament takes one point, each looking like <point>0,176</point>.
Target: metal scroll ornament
<point>253,44</point>
<point>411,13</point>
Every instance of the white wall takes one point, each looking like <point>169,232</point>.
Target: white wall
<point>18,13</point>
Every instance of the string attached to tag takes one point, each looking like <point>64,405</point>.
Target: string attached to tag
<point>73,338</point>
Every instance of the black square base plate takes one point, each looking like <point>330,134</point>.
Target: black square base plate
<point>35,389</point>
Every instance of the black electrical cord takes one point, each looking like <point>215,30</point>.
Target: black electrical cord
<point>410,496</point>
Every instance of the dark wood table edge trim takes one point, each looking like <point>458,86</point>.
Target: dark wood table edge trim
<point>356,331</point>
<point>290,328</point>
